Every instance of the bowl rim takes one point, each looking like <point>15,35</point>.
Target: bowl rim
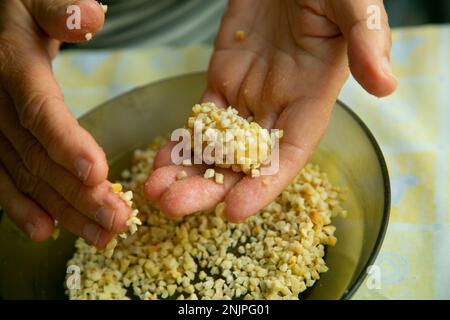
<point>387,202</point>
<point>381,160</point>
<point>347,295</point>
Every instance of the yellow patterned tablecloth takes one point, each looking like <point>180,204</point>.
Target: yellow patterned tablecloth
<point>412,126</point>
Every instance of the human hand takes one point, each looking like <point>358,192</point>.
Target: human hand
<point>50,167</point>
<point>286,73</point>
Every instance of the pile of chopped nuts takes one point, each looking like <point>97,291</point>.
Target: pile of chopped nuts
<point>275,254</point>
<point>133,221</point>
<point>244,145</point>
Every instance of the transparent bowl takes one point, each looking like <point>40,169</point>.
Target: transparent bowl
<point>348,153</point>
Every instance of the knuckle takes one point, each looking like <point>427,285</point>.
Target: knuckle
<point>25,180</point>
<point>55,137</point>
<point>12,206</point>
<point>31,113</point>
<point>63,212</point>
<point>219,80</point>
<point>275,92</point>
<point>35,157</point>
<point>34,113</point>
<point>73,193</point>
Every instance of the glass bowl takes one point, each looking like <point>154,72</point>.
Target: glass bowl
<point>348,153</point>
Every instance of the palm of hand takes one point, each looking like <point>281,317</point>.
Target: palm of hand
<point>286,73</point>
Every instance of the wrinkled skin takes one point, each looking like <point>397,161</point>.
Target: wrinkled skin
<point>50,168</point>
<point>286,73</point>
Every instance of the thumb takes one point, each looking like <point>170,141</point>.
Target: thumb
<point>68,20</point>
<point>364,24</point>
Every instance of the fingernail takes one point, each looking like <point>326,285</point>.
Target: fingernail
<point>83,168</point>
<point>105,216</point>
<point>91,232</point>
<point>30,229</point>
<point>386,66</point>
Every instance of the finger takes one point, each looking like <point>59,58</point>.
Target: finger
<point>41,109</point>
<point>161,179</point>
<point>23,211</point>
<point>266,120</point>
<point>225,78</point>
<point>194,194</point>
<point>214,97</point>
<point>50,201</point>
<point>163,157</point>
<point>98,203</point>
<point>304,124</point>
<point>368,44</point>
<point>68,20</point>
<point>70,218</point>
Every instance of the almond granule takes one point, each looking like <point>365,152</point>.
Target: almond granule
<point>239,35</point>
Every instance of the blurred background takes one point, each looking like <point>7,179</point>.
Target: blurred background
<point>145,23</point>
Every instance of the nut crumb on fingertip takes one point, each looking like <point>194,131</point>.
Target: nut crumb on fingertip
<point>181,175</point>
<point>104,7</point>
<point>219,178</point>
<point>239,35</point>
<point>55,234</point>
<point>116,187</point>
<point>209,173</point>
<point>187,162</point>
<point>255,173</point>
